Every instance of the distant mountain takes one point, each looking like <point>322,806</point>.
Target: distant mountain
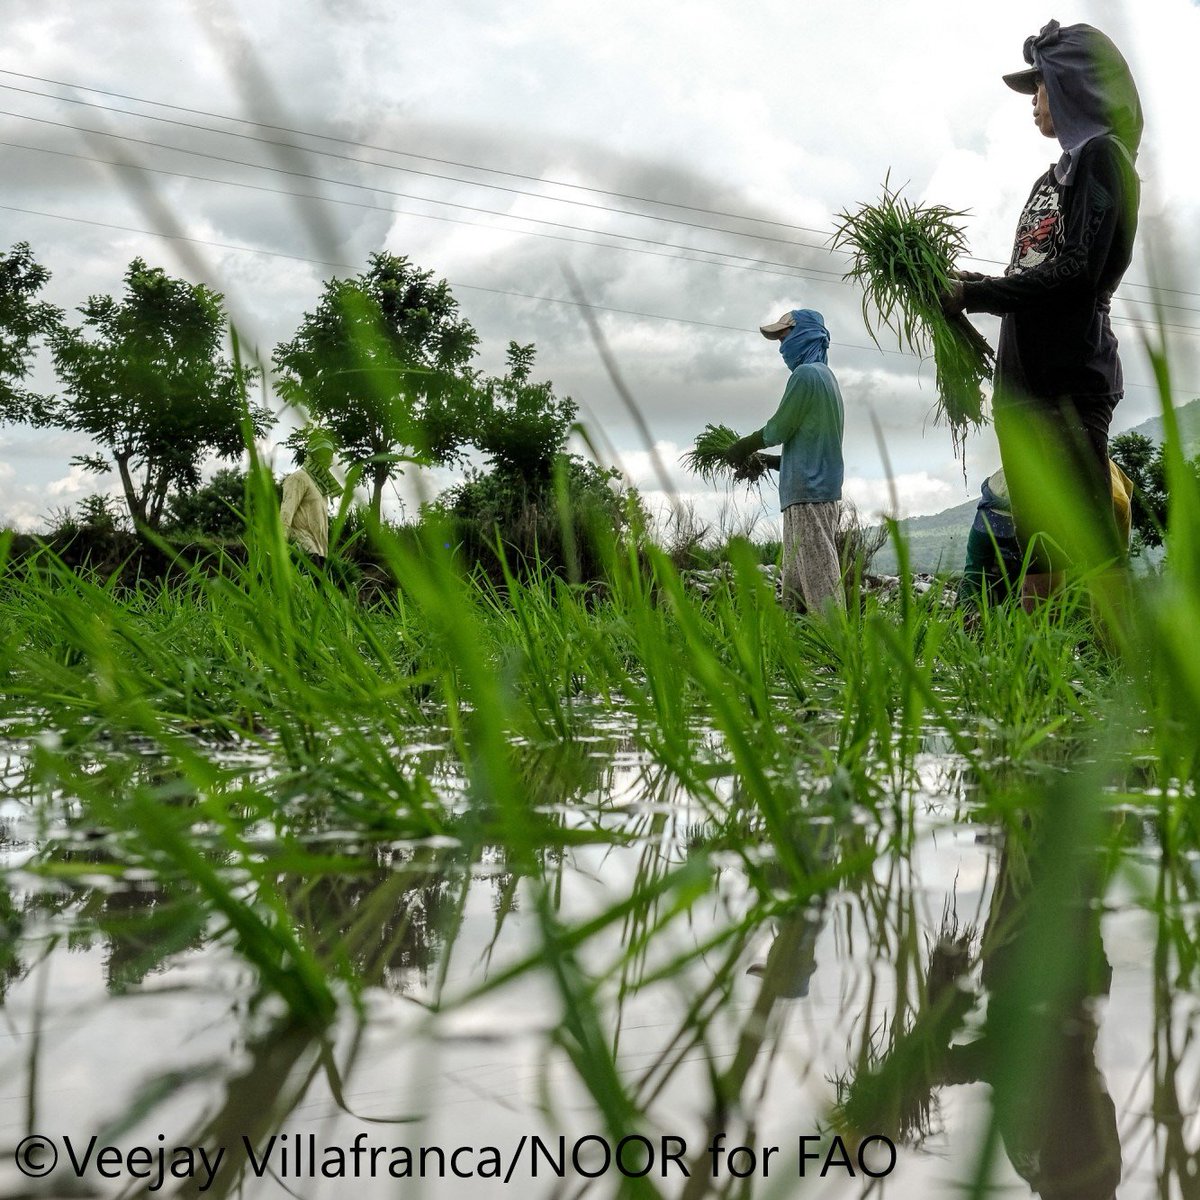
<point>1188,416</point>
<point>935,543</point>
<point>939,542</point>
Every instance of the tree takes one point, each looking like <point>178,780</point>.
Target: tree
<point>522,427</point>
<point>548,508</point>
<point>22,320</point>
<point>1143,461</point>
<point>146,379</point>
<point>382,362</point>
<point>214,509</point>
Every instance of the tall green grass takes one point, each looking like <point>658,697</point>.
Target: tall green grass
<point>463,706</point>
<point>308,781</point>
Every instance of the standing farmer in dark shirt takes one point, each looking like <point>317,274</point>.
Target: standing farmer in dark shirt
<point>808,423</point>
<point>1058,375</point>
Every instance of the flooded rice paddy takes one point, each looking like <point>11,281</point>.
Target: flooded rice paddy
<point>640,1003</point>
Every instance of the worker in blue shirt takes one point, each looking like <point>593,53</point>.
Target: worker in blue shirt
<point>808,424</point>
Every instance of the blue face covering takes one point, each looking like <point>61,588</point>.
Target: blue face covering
<point>808,340</point>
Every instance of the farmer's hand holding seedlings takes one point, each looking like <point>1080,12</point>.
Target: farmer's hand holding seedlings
<point>953,298</point>
<point>902,254</point>
<point>739,453</point>
<point>719,452</point>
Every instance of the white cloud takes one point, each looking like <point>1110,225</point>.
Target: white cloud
<point>905,496</point>
<point>762,111</point>
<point>75,483</point>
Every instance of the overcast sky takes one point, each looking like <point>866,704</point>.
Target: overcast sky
<point>684,164</point>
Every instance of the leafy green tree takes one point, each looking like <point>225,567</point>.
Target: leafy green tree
<point>522,426</point>
<point>382,362</point>
<point>1142,460</point>
<point>23,319</point>
<point>144,376</point>
<point>547,507</point>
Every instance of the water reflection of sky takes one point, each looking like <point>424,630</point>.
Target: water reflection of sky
<point>180,1048</point>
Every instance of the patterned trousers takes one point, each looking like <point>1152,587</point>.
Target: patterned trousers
<point>812,572</point>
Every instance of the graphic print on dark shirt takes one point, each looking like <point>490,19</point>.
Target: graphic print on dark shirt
<point>1040,230</point>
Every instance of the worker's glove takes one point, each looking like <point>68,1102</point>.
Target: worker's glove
<point>739,453</point>
<point>772,461</point>
<point>952,299</point>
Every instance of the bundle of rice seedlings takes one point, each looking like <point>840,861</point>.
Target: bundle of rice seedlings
<point>902,255</point>
<point>707,457</point>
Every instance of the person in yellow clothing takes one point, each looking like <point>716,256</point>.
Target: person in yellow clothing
<point>304,510</point>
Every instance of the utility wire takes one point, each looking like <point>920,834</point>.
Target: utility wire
<point>446,162</point>
<point>825,233</point>
<point>175,237</point>
<point>372,188</point>
<point>350,158</point>
<point>473,287</point>
<point>323,262</point>
<point>783,270</point>
<point>743,262</point>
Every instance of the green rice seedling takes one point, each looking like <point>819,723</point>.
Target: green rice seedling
<point>779,731</point>
<point>529,615</point>
<point>902,254</point>
<point>707,457</point>
<point>156,825</point>
<point>705,688</point>
<point>1166,640</point>
<point>1043,961</point>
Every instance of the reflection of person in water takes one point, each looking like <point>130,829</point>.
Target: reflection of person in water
<point>792,960</point>
<point>1038,1052</point>
<point>785,975</point>
<point>1042,961</point>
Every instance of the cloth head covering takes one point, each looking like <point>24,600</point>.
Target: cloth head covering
<point>807,341</point>
<point>320,474</point>
<point>994,512</point>
<point>1090,89</point>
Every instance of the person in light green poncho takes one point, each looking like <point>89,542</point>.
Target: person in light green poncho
<point>304,510</point>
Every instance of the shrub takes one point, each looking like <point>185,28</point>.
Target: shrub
<point>857,544</point>
<point>564,524</point>
<point>96,516</point>
<point>215,509</point>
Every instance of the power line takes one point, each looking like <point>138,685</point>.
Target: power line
<point>784,270</point>
<point>825,233</point>
<point>741,262</point>
<point>475,287</point>
<point>175,237</point>
<point>794,273</point>
<point>447,162</point>
<point>321,262</point>
<point>350,158</point>
<point>364,187</point>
